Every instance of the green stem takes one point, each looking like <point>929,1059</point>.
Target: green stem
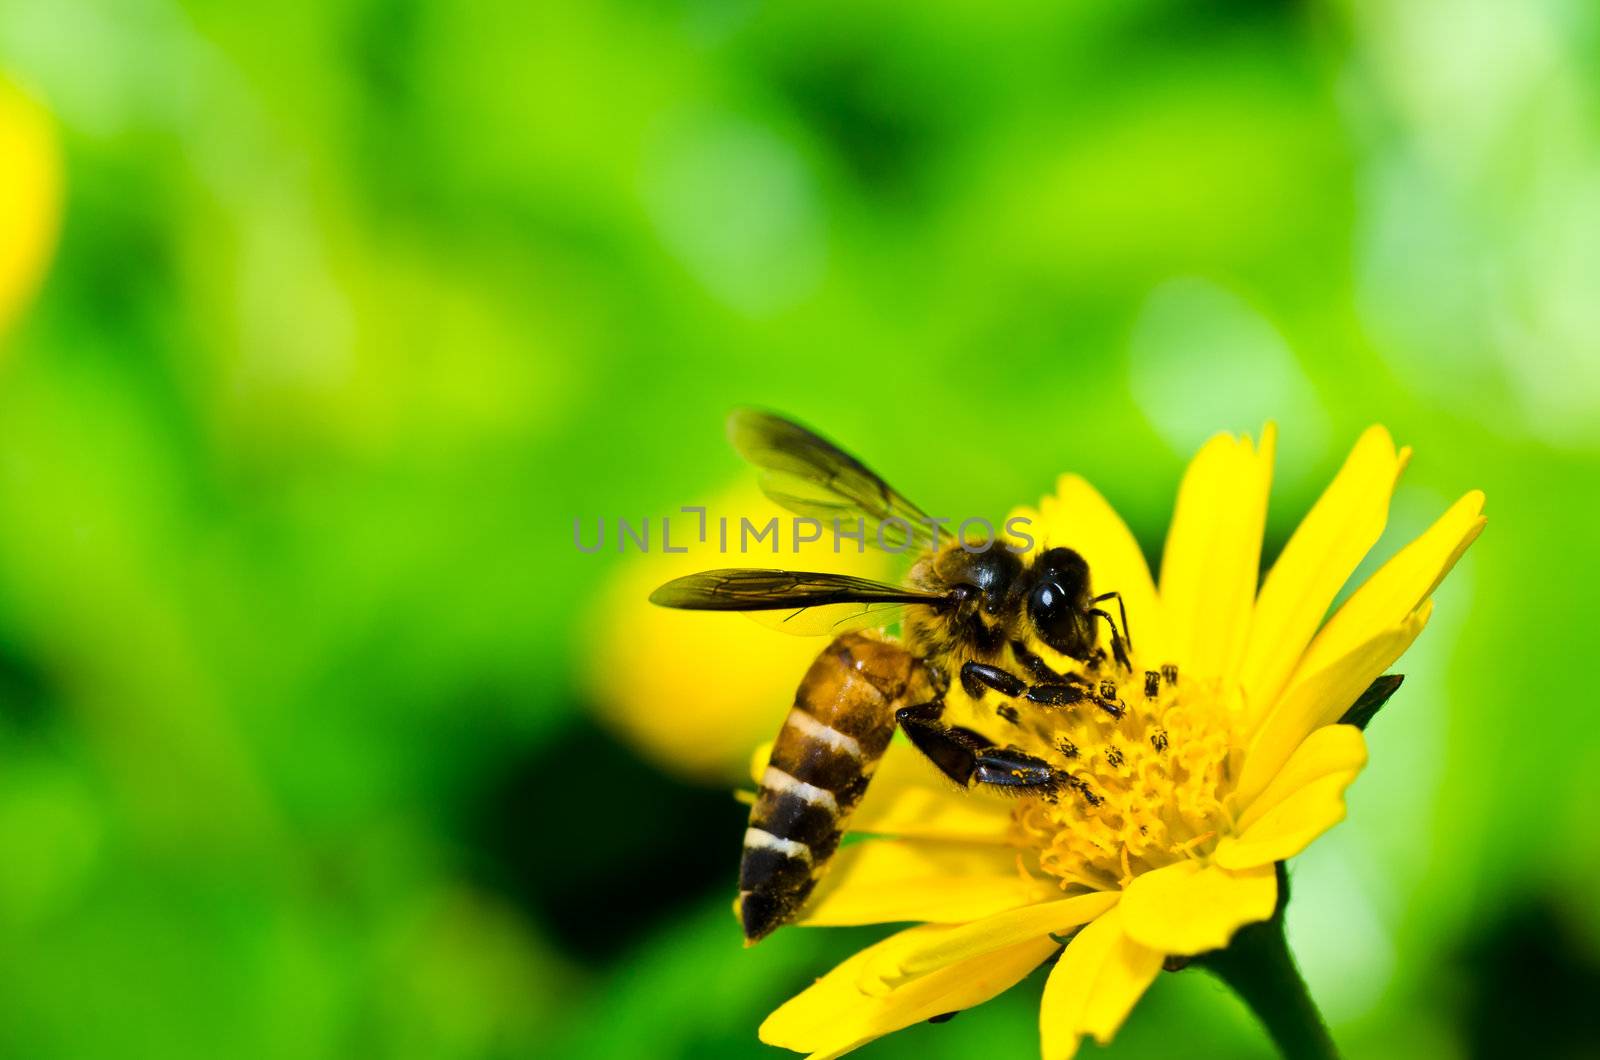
<point>1258,967</point>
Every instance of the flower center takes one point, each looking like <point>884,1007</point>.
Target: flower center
<point>1146,757</point>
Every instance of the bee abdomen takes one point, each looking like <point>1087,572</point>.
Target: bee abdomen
<point>772,863</point>
<point>831,742</point>
<point>807,792</point>
<point>791,808</point>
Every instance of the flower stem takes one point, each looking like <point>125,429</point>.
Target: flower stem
<point>1258,967</point>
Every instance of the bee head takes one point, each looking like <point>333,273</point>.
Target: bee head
<point>1058,602</point>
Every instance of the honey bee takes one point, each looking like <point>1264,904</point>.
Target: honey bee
<point>967,615</point>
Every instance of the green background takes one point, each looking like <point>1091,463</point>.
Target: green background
<point>358,305</point>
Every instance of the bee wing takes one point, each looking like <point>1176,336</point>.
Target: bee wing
<point>828,620</point>
<point>811,476</point>
<point>797,602</point>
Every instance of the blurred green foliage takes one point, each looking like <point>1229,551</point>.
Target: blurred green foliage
<point>360,304</point>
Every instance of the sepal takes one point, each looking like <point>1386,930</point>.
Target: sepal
<point>1371,701</point>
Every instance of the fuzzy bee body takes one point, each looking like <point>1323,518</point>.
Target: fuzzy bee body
<point>976,620</point>
<point>839,727</point>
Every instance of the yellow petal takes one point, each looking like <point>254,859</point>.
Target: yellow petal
<point>985,936</point>
<point>1400,585</point>
<point>30,199</point>
<point>1340,529</point>
<point>1287,828</point>
<point>1319,700</point>
<point>834,1016</point>
<point>1191,907</point>
<point>758,761</point>
<point>1094,986</point>
<point>909,798</point>
<point>1329,750</point>
<point>1304,800</point>
<point>1079,518</point>
<point>1213,554</point>
<point>881,881</point>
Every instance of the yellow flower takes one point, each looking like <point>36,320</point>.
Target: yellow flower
<point>1166,844</point>
<point>30,191</point>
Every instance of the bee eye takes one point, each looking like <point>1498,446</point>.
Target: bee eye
<point>1046,605</point>
<point>1058,621</point>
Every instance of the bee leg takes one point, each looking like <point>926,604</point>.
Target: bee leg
<point>968,758</point>
<point>1127,630</point>
<point>1015,772</point>
<point>953,749</point>
<point>975,676</point>
<point>1057,694</point>
<point>1058,691</point>
<point>1118,646</point>
<point>1040,670</point>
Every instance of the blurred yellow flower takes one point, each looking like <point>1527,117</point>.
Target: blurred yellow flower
<point>1218,756</point>
<point>695,691</point>
<point>30,199</point>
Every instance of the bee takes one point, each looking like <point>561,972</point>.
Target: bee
<point>967,615</point>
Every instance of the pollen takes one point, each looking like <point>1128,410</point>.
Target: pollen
<point>1145,767</point>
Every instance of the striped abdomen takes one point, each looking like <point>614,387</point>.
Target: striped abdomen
<point>838,729</point>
